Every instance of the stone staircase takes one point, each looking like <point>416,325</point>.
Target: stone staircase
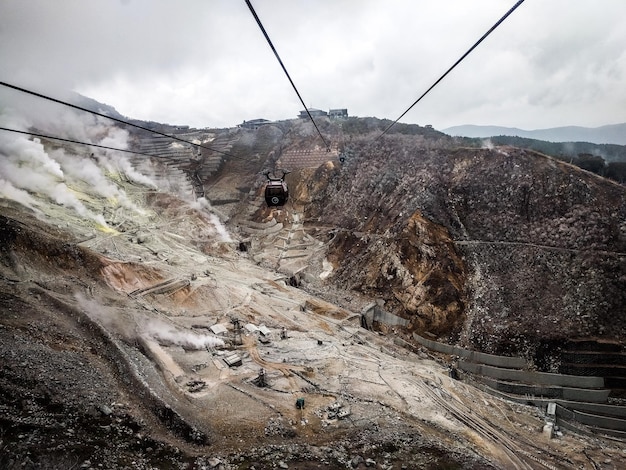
<point>169,157</point>
<point>211,161</point>
<point>307,158</point>
<point>286,246</point>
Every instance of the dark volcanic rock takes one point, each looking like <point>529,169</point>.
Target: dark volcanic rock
<point>503,249</point>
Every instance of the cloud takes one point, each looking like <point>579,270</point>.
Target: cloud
<point>207,64</point>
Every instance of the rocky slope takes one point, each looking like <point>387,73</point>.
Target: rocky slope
<point>502,250</point>
<point>108,293</point>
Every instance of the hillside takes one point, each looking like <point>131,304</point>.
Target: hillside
<point>157,314</point>
<point>611,134</point>
<point>487,247</point>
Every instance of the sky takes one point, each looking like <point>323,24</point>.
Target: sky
<point>205,63</point>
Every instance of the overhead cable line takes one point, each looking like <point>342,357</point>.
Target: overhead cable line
<point>453,66</point>
<point>43,136</point>
<point>121,121</point>
<point>269,41</point>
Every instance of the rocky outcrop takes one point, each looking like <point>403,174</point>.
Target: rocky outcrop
<point>505,250</point>
<point>417,272</point>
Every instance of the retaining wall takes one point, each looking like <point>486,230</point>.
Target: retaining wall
<point>615,411</point>
<point>473,356</point>
<point>581,400</point>
<point>607,415</point>
<point>590,419</point>
<point>553,392</point>
<point>258,225</point>
<point>595,358</point>
<point>374,313</point>
<point>591,369</point>
<point>270,229</point>
<point>532,377</point>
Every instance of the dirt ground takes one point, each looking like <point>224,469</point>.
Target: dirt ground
<point>108,360</point>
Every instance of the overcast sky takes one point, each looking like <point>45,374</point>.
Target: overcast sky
<point>205,63</point>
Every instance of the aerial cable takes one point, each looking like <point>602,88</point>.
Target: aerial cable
<point>43,136</point>
<point>453,66</point>
<point>269,41</point>
<point>121,121</point>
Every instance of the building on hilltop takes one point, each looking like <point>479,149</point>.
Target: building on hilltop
<point>338,113</point>
<point>254,123</point>
<point>313,112</point>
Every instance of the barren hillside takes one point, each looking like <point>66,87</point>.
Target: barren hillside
<point>488,248</point>
<point>156,314</point>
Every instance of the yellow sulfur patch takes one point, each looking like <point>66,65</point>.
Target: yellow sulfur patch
<point>107,229</point>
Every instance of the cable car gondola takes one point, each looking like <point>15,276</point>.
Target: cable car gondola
<point>276,190</point>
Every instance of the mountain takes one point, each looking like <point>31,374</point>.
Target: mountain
<point>90,103</point>
<point>610,134</point>
<point>155,313</point>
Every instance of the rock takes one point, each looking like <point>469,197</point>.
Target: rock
<point>548,430</point>
<point>356,461</point>
<point>214,462</point>
<point>344,413</point>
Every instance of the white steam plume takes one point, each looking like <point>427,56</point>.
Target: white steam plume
<point>8,191</point>
<point>204,207</point>
<point>25,165</point>
<point>123,165</point>
<point>114,320</point>
<point>221,230</point>
<point>487,144</point>
<point>27,153</point>
<point>120,322</point>
<point>86,170</point>
<point>165,333</point>
<point>118,138</point>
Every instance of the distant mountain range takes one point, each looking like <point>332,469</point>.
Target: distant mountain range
<point>611,134</point>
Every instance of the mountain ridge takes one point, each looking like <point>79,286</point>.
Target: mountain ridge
<point>608,134</point>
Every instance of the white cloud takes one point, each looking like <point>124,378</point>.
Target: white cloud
<point>205,63</point>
